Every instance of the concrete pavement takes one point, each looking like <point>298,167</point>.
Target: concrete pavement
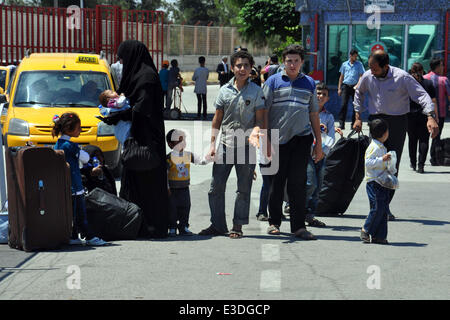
<point>259,266</point>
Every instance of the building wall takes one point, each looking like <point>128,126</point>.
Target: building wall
<point>336,11</point>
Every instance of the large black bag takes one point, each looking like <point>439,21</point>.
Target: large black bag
<point>111,217</point>
<point>344,172</point>
<point>442,152</point>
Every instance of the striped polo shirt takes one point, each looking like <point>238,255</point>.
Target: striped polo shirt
<point>289,104</point>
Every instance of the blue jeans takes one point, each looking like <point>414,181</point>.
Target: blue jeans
<point>377,220</point>
<point>80,222</point>
<point>315,173</point>
<point>216,194</point>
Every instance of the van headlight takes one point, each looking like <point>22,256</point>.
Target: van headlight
<point>104,129</point>
<point>18,127</point>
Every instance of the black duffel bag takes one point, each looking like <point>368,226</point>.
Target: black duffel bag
<point>442,152</point>
<point>112,218</point>
<point>344,172</point>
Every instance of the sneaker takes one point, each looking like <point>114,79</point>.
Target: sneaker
<point>172,232</point>
<point>186,232</point>
<point>420,170</point>
<point>412,166</point>
<point>365,237</point>
<point>76,242</point>
<point>262,217</point>
<point>95,241</point>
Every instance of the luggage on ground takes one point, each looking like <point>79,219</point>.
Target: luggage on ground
<point>39,198</point>
<point>111,217</point>
<point>344,172</point>
<point>442,152</point>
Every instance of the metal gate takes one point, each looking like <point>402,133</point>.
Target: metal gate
<point>77,30</point>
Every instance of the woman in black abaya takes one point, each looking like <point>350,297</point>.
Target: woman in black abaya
<point>140,84</point>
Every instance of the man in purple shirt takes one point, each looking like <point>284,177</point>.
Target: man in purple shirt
<point>389,90</point>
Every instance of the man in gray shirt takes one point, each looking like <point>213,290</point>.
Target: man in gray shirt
<point>389,90</point>
<point>240,112</point>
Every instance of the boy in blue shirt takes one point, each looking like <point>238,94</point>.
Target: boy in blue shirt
<point>351,71</point>
<point>316,170</point>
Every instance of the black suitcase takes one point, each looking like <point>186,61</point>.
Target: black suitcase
<point>39,198</point>
<point>112,218</point>
<point>344,172</point>
<point>442,152</point>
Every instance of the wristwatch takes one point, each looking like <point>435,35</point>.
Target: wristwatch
<point>432,114</point>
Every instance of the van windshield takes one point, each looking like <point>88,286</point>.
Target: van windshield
<point>60,88</point>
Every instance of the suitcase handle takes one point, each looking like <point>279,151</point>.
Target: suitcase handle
<point>41,197</point>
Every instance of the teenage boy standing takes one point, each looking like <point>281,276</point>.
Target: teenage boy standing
<point>292,108</point>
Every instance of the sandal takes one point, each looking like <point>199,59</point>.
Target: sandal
<point>235,234</point>
<point>304,234</point>
<point>273,230</point>
<point>316,223</point>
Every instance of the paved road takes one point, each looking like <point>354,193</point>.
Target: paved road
<point>259,266</point>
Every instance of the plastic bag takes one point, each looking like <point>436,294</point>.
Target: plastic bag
<point>387,178</point>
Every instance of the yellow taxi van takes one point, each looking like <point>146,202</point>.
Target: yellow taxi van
<point>49,84</point>
<point>6,74</point>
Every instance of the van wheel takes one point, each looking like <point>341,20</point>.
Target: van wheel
<point>175,114</point>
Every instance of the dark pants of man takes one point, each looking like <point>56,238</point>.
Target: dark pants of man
<point>435,142</point>
<point>201,100</point>
<point>293,162</point>
<point>347,92</point>
<point>417,133</point>
<point>398,126</point>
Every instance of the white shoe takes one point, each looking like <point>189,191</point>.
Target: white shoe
<point>95,241</point>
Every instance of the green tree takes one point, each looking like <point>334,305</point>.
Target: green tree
<point>266,21</point>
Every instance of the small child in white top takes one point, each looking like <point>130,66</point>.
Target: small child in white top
<point>376,163</point>
<point>111,102</point>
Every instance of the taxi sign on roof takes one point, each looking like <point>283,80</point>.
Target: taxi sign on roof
<point>87,59</point>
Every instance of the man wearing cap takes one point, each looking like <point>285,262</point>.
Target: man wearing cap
<point>164,78</point>
<point>223,71</point>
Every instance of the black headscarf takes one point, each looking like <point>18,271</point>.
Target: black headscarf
<point>138,71</point>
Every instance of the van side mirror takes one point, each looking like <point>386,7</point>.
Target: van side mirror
<point>2,98</point>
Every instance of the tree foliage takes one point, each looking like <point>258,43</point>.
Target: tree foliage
<point>263,20</point>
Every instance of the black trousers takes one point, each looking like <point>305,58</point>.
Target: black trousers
<point>436,141</point>
<point>398,126</point>
<point>201,99</point>
<point>418,134</point>
<point>293,163</point>
<point>179,208</point>
<point>347,92</point>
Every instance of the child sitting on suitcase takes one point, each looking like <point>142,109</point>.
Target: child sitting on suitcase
<point>315,170</point>
<point>68,126</point>
<point>376,160</point>
<point>178,174</point>
<point>111,102</point>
